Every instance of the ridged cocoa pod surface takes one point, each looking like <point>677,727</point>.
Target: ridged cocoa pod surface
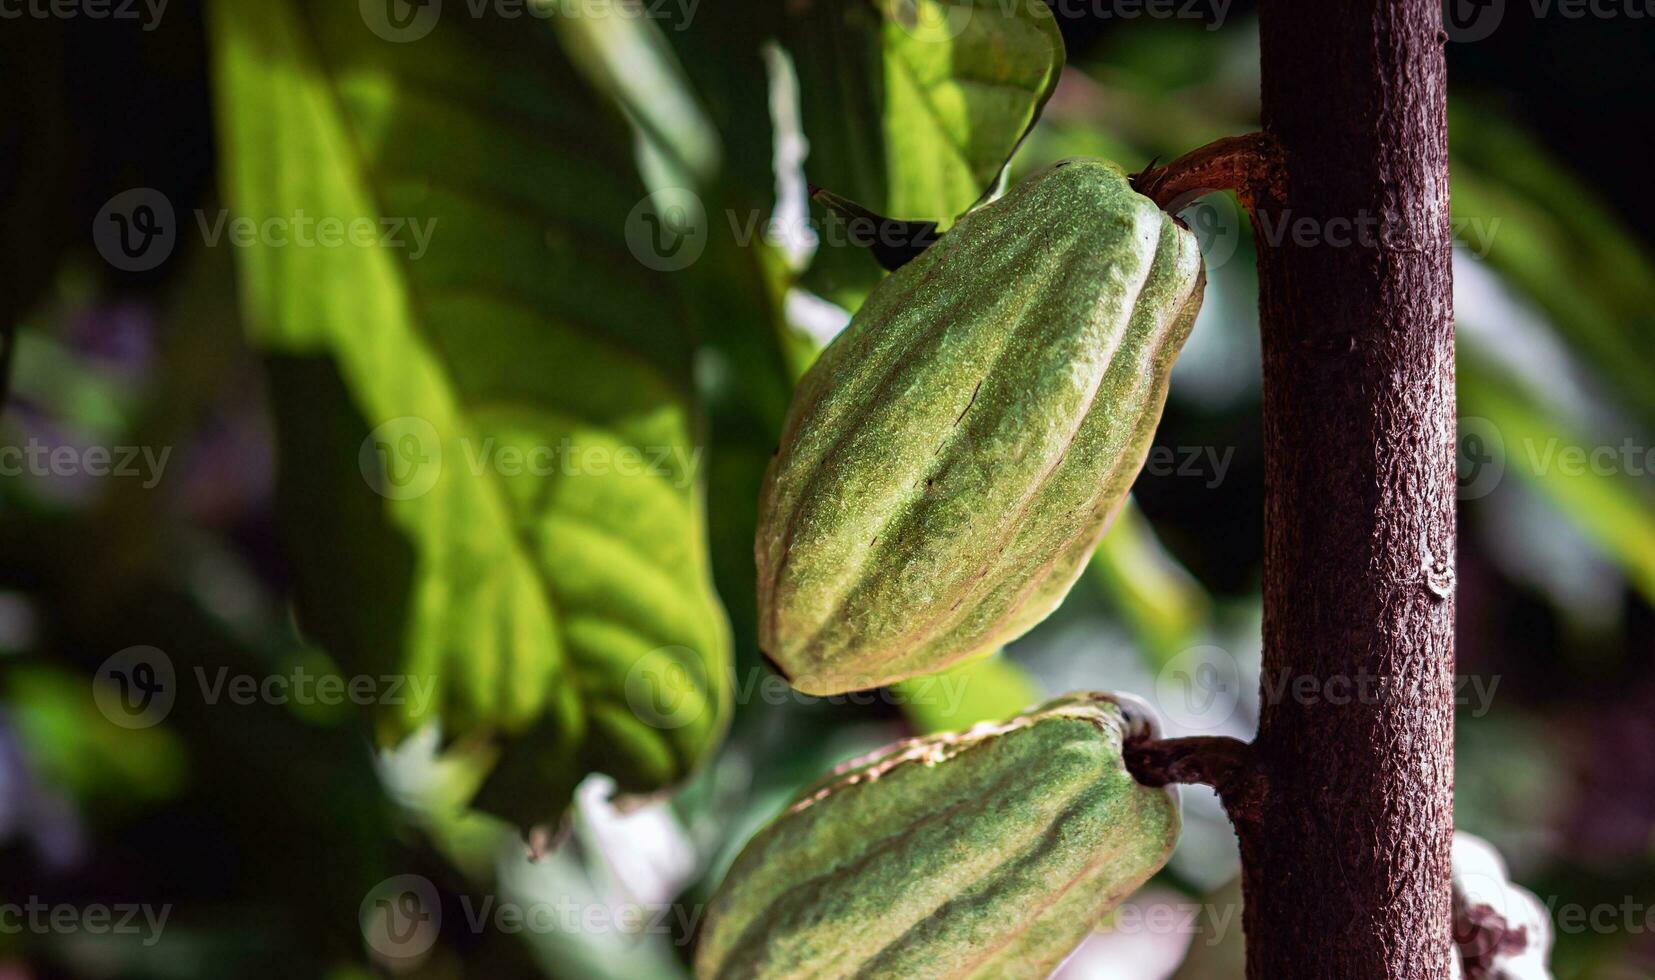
<point>954,456</point>
<point>989,853</point>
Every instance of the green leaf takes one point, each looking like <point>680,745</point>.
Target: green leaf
<point>1610,507</point>
<point>105,767</point>
<point>913,107</point>
<point>990,688</point>
<point>1549,238</point>
<point>517,393</point>
<point>1157,597</point>
<point>736,290</point>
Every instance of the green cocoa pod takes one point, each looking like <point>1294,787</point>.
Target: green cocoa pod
<point>953,457</point>
<point>986,853</point>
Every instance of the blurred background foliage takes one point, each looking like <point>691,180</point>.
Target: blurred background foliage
<point>265,830</point>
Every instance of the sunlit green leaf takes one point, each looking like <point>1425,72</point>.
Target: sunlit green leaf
<point>514,385</point>
<point>990,688</point>
<point>912,108</point>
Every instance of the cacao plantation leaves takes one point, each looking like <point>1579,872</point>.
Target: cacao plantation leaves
<point>912,108</point>
<point>985,853</point>
<point>489,466</point>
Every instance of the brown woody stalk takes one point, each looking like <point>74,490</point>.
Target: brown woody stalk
<point>1346,804</point>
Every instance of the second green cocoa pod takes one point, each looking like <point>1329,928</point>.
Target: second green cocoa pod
<point>954,456</point>
<point>989,853</point>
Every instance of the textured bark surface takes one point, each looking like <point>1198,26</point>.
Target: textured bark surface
<point>1347,869</point>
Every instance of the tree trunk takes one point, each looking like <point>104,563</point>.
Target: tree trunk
<point>1346,870</point>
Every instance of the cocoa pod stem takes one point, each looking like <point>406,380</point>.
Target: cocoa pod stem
<point>1226,764</point>
<point>1250,165</point>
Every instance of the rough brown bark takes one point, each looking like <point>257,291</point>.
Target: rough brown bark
<point>1346,875</point>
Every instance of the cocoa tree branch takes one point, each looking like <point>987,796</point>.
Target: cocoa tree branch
<point>1351,876</point>
<point>1249,165</point>
<point>1226,764</point>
